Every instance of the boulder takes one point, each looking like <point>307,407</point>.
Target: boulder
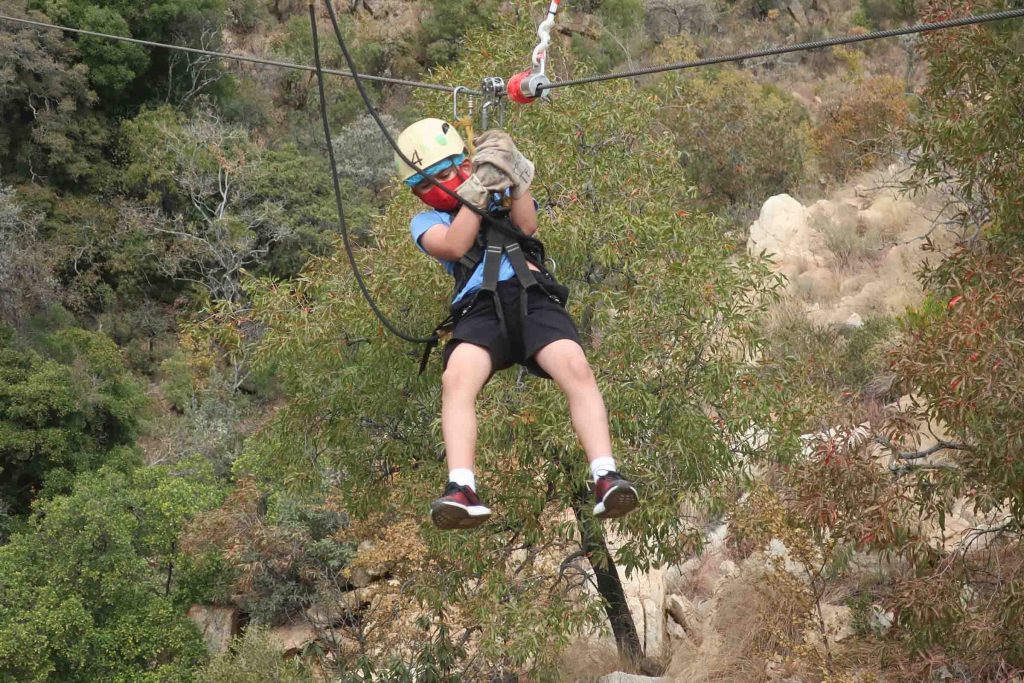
<point>838,621</point>
<point>796,10</point>
<point>620,677</point>
<point>217,624</point>
<point>292,639</point>
<point>782,230</point>
<point>686,615</point>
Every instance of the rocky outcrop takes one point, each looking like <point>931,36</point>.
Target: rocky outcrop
<point>852,256</point>
<point>217,624</point>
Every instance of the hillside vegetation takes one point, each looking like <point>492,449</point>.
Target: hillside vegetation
<point>215,464</point>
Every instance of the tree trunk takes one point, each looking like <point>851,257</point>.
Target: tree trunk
<point>608,583</point>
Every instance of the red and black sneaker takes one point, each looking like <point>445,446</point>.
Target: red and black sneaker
<point>615,496</point>
<point>458,508</point>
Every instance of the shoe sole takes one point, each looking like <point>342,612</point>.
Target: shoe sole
<point>620,501</point>
<point>447,516</point>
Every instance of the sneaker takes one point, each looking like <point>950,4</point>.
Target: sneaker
<point>458,508</point>
<point>615,496</point>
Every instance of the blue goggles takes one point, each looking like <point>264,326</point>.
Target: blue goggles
<point>435,169</point>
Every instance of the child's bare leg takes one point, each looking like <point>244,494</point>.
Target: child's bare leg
<point>467,371</point>
<point>565,361</point>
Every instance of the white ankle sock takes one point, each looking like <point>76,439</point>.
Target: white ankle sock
<point>462,477</point>
<point>602,466</point>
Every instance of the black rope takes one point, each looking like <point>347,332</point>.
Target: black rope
<point>799,47</point>
<point>235,57</point>
<point>431,339</point>
<point>372,111</point>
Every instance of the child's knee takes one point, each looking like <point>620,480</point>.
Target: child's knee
<point>457,380</point>
<point>578,369</point>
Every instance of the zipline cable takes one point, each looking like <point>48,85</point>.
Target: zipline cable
<point>235,57</point>
<point>798,47</point>
<point>430,339</point>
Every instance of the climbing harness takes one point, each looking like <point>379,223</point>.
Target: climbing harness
<point>522,88</point>
<point>495,225</point>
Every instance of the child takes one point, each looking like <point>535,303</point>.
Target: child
<point>543,339</point>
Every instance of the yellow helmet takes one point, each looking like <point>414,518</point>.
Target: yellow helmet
<point>425,143</point>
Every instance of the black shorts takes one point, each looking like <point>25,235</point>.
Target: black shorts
<point>546,322</point>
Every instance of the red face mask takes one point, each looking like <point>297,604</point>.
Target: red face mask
<point>438,199</point>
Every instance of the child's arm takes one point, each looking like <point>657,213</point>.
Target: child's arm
<point>451,243</point>
<point>524,213</point>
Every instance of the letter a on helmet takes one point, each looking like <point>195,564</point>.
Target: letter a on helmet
<point>425,143</point>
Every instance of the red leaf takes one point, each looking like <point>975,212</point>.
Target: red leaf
<point>954,301</point>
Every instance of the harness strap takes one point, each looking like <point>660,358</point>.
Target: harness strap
<point>501,239</point>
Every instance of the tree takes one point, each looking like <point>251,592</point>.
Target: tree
<point>62,414</point>
<point>203,170</point>
<point>50,126</point>
<point>88,592</point>
<point>739,141</point>
<point>666,309</point>
<point>26,283</point>
<point>125,75</point>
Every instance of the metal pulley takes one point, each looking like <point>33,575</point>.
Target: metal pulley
<point>527,86</point>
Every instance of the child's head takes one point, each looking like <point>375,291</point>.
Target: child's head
<point>437,148</point>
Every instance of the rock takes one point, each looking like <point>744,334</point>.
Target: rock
<point>363,571</point>
<point>675,631</point>
<point>880,620</point>
<point>782,230</point>
<point>645,596</point>
<point>854,322</point>
<point>217,624</point>
<point>796,10</point>
<point>620,677</point>
<point>291,640</point>
<point>324,615</point>
<point>838,621</point>
<point>686,615</point>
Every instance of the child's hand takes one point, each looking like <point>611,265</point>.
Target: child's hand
<point>495,148</point>
<point>474,192</point>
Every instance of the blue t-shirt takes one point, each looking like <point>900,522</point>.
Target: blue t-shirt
<point>422,222</point>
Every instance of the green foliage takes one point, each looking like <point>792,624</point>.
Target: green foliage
<point>968,132</point>
<point>612,37</point>
<point>50,126</point>
<point>739,141</point>
<point>667,321</point>
<point>88,590</point>
<point>363,154</point>
<point>125,75</point>
<point>246,15</point>
<point>65,413</point>
<point>447,25</point>
<point>253,659</point>
<point>883,14</point>
<point>823,367</point>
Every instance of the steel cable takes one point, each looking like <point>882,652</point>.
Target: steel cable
<point>235,57</point>
<point>798,47</point>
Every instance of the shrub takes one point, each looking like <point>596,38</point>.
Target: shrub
<point>363,154</point>
<point>253,658</point>
<point>88,589</point>
<point>857,129</point>
<point>62,414</point>
<point>882,14</point>
<point>739,141</point>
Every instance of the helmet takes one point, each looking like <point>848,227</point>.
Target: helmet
<point>425,143</point>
